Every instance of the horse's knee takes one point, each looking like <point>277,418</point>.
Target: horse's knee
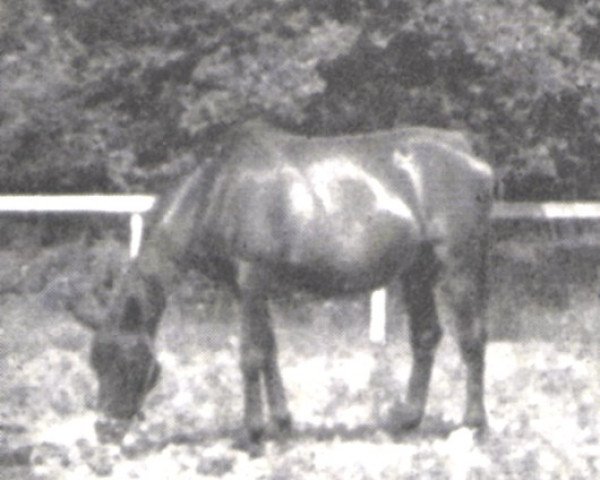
<point>466,296</point>
<point>472,342</point>
<point>426,341</point>
<point>252,361</point>
<point>257,355</point>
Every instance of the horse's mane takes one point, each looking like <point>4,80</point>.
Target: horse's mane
<point>252,139</point>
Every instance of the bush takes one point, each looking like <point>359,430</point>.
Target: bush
<point>116,95</point>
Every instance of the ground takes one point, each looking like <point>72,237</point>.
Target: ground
<point>542,396</point>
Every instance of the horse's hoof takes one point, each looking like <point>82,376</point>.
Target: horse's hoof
<point>480,427</point>
<point>251,442</point>
<point>283,426</point>
<point>254,449</point>
<point>475,420</point>
<point>109,430</point>
<point>401,418</point>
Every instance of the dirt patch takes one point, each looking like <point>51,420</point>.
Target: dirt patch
<point>541,399</point>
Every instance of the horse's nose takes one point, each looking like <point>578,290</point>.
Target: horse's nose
<point>111,430</point>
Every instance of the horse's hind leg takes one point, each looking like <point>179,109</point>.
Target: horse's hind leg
<point>425,334</point>
<point>468,303</point>
<point>467,292</point>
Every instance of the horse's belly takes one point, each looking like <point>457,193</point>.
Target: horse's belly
<point>353,254</point>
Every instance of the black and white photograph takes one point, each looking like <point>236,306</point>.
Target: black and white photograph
<point>300,239</point>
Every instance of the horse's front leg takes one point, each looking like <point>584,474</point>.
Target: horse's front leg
<point>280,415</point>
<point>252,359</point>
<point>258,358</point>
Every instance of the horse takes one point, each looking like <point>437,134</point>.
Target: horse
<point>278,212</point>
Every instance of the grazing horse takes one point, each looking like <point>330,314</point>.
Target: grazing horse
<point>278,212</point>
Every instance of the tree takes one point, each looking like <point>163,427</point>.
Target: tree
<point>126,95</point>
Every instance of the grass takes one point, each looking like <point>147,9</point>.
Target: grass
<point>543,386</point>
<point>541,398</point>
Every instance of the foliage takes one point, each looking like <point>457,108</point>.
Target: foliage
<point>118,95</point>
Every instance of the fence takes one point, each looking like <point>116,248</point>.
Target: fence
<point>547,212</point>
<point>133,205</point>
<point>136,205</point>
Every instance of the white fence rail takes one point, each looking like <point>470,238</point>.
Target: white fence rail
<point>136,205</point>
<point>502,211</point>
<point>133,205</point>
<point>546,211</point>
<point>77,203</point>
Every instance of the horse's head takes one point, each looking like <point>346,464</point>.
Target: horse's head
<point>125,365</point>
<point>123,357</point>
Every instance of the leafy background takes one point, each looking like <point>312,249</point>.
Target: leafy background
<point>119,95</point>
<point>127,95</point>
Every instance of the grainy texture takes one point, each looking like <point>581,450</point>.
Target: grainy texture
<point>542,395</point>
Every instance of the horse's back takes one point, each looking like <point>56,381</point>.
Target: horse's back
<point>349,212</point>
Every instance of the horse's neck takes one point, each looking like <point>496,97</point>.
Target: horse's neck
<point>148,293</point>
<point>171,235</point>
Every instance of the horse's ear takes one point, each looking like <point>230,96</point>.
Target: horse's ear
<point>132,319</point>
